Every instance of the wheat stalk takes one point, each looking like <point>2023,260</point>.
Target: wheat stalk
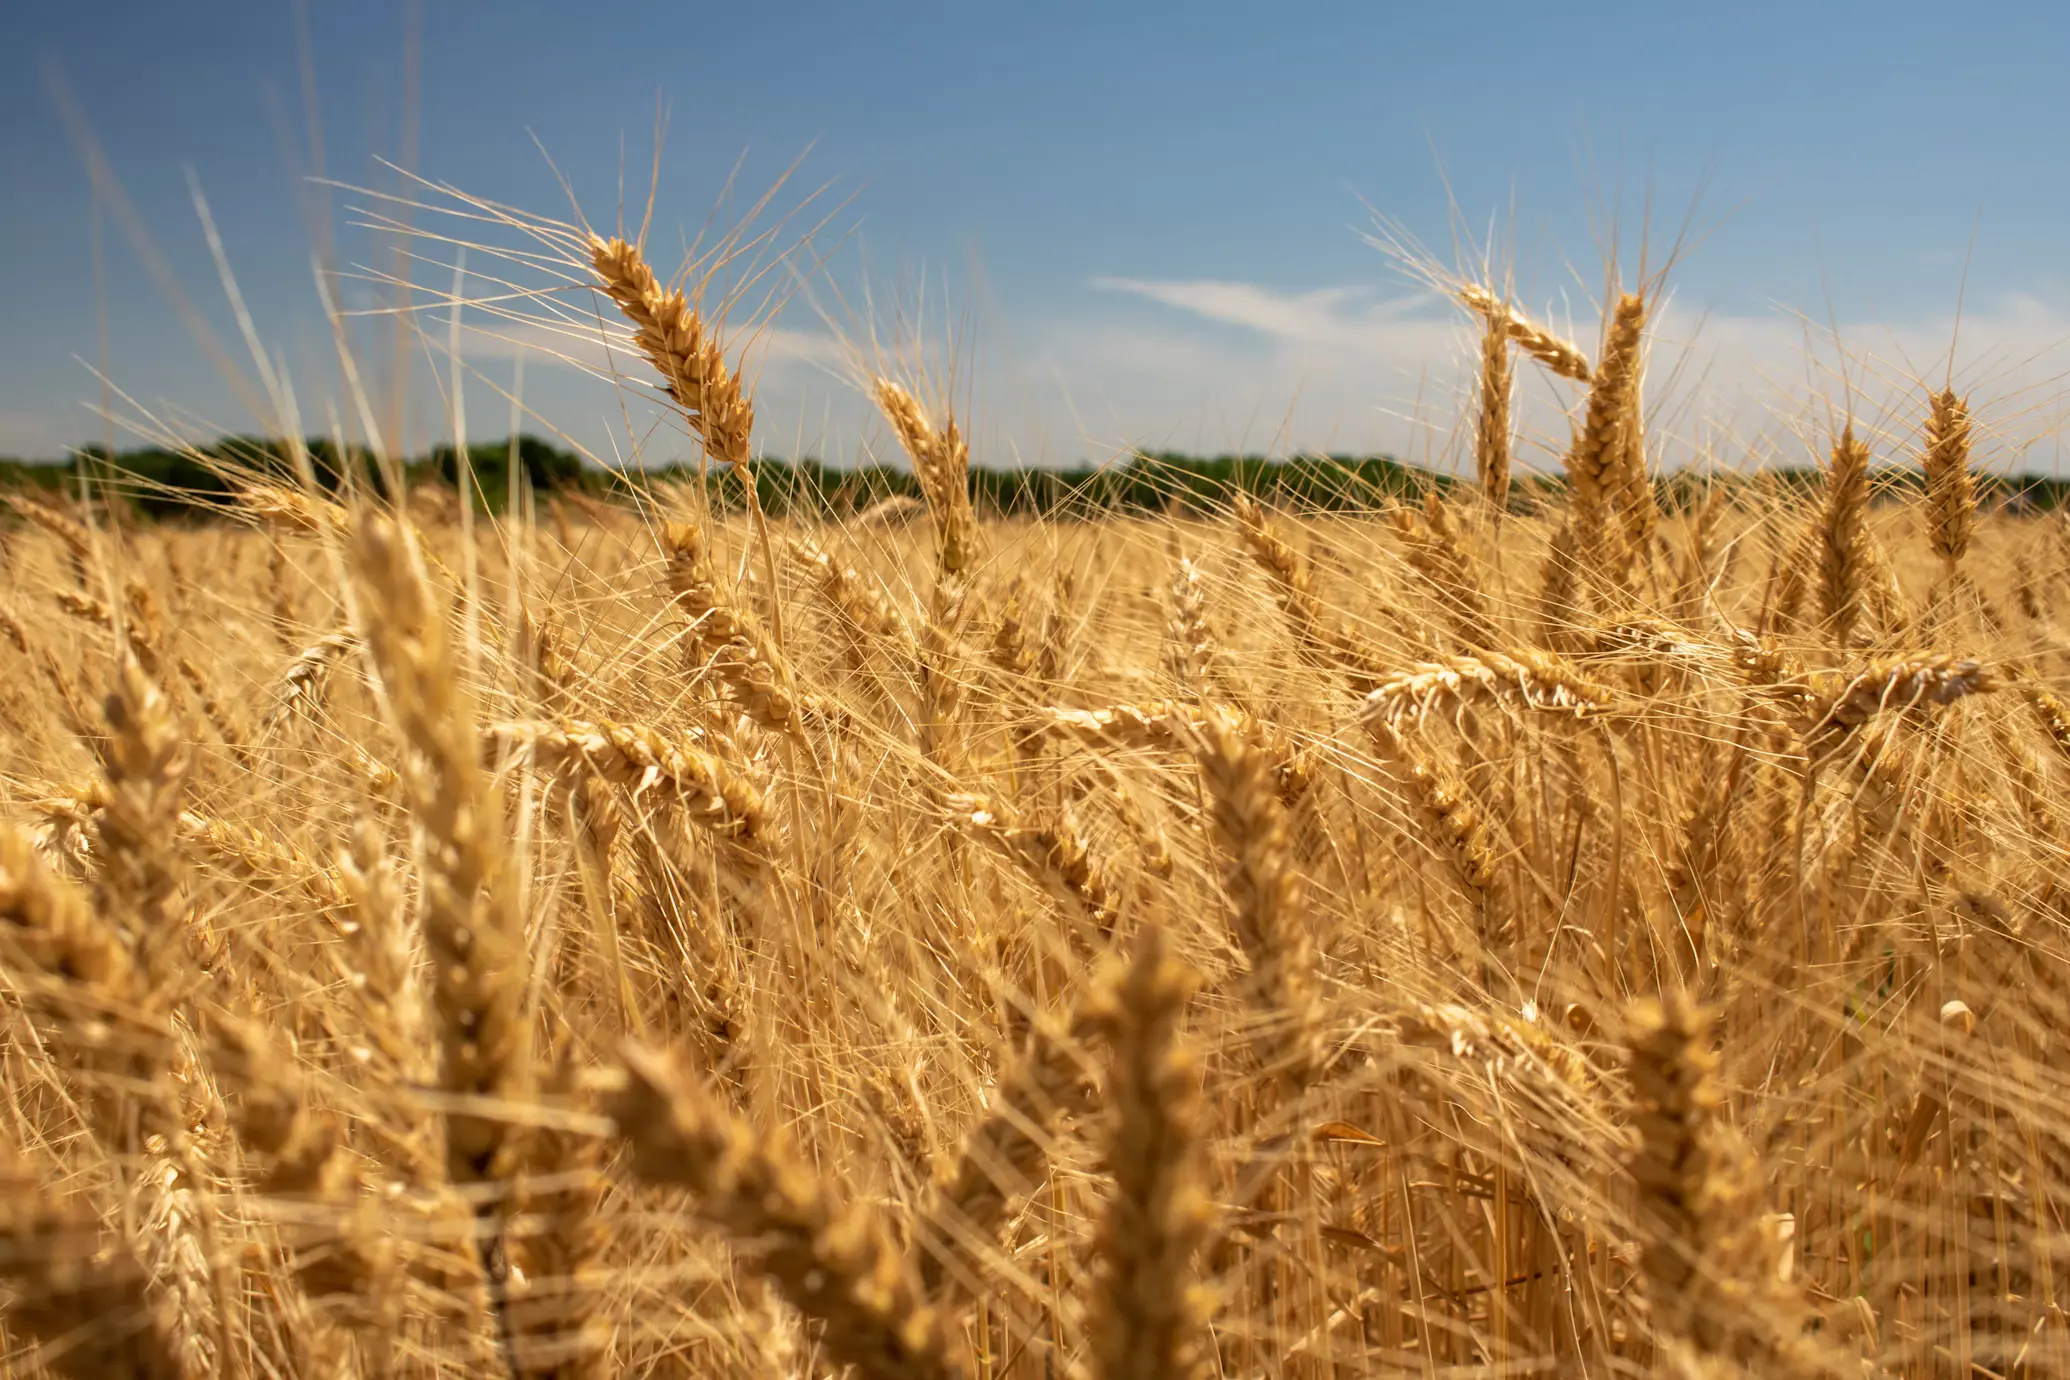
<point>941,462</point>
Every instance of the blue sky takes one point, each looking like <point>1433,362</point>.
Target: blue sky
<point>1142,219</point>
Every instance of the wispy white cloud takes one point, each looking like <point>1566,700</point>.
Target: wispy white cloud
<point>1233,364</point>
<point>1343,316</point>
<point>585,345</point>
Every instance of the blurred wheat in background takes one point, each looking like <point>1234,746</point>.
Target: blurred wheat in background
<point>1608,927</point>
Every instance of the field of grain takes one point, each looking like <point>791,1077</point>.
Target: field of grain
<point>633,940</point>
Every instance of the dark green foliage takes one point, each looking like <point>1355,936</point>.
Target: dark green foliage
<point>1143,483</point>
<point>546,467</point>
<point>162,483</point>
<point>167,483</point>
<point>32,475</point>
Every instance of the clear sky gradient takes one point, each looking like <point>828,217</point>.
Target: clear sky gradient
<point>1142,219</point>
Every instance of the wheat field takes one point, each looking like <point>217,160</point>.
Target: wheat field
<point>1606,935</point>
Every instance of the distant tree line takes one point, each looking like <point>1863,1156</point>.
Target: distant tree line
<point>167,483</point>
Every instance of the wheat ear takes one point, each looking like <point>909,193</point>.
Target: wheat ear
<point>337,1254</point>
<point>834,1262</point>
<point>940,658</point>
<point>1951,490</point>
<point>1004,1157</point>
<point>1691,1180</point>
<point>1636,502</point>
<point>1841,705</point>
<point>1056,856</point>
<point>303,685</point>
<point>714,796</point>
<point>256,857</point>
<point>1323,641</point>
<point>1453,819</point>
<point>77,971</point>
<point>1148,1315</point>
<point>1009,650</point>
<point>1159,724</point>
<point>865,614</point>
<point>941,462</point>
<point>140,638</point>
<point>1194,652</point>
<point>144,763</point>
<point>1264,891</point>
<point>77,541</point>
<point>469,915</point>
<point>745,658</point>
<point>1523,678</point>
<point>557,1328</point>
<point>671,335</point>
<point>1671,1063</point>
<point>81,1295</point>
<point>1594,463</point>
<point>1438,554</point>
<point>1560,356</point>
<point>1843,538</point>
<point>1492,441</point>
